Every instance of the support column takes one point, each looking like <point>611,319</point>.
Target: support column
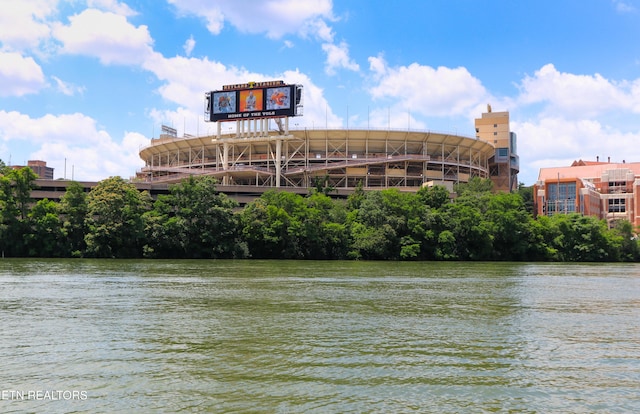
<point>278,160</point>
<point>225,162</point>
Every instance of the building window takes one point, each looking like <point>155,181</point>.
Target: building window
<point>617,187</point>
<point>617,205</point>
<point>561,198</point>
<point>495,125</point>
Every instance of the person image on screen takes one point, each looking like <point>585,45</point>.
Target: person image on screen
<point>250,103</point>
<point>224,103</point>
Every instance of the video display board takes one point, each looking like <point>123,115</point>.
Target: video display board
<point>256,102</point>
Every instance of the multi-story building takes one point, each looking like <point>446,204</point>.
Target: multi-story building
<point>38,167</point>
<point>504,164</point>
<point>605,190</point>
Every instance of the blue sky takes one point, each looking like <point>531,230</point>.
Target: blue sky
<point>84,84</point>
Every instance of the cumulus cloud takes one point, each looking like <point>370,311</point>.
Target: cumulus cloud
<point>19,75</point>
<point>74,139</point>
<point>188,91</point>
<point>112,6</point>
<point>275,18</point>
<point>338,57</point>
<point>425,90</point>
<point>577,95</point>
<point>189,45</point>
<point>105,35</point>
<point>24,24</point>
<point>561,117</point>
<point>557,141</point>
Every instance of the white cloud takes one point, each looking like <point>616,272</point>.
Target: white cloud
<point>273,17</point>
<point>338,57</point>
<point>378,66</point>
<point>565,117</point>
<point>105,35</point>
<point>189,45</point>
<point>76,139</point>
<point>19,75</point>
<point>425,90</point>
<point>577,95</point>
<point>317,112</point>
<point>67,88</point>
<point>188,91</point>
<point>317,28</point>
<point>557,141</point>
<point>112,6</point>
<point>24,24</point>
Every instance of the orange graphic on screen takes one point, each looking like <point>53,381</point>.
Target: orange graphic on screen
<point>251,100</point>
<point>278,98</point>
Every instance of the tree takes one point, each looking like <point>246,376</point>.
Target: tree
<point>510,228</point>
<point>114,221</point>
<point>434,197</point>
<point>476,185</point>
<point>626,241</point>
<point>272,225</point>
<point>470,237</point>
<point>46,237</point>
<point>324,234</point>
<point>582,238</point>
<point>73,209</point>
<point>399,222</point>
<point>15,199</point>
<point>193,221</point>
<point>527,197</point>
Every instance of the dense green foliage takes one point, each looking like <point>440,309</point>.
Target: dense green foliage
<point>116,220</point>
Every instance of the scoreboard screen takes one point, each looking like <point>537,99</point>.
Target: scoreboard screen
<point>253,100</point>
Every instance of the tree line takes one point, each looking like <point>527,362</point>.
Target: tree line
<point>116,220</point>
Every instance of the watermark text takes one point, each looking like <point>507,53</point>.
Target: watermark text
<point>42,395</point>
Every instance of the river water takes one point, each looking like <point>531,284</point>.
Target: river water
<point>318,337</point>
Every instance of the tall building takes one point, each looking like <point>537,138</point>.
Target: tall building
<point>605,190</point>
<point>38,167</point>
<point>504,164</point>
<point>41,169</point>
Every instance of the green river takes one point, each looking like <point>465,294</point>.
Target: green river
<point>149,336</point>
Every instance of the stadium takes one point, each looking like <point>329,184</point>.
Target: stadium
<point>260,151</point>
<point>340,158</point>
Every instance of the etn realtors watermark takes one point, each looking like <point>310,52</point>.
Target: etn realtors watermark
<point>42,395</point>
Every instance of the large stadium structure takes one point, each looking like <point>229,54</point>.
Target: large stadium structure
<point>339,158</point>
<point>255,154</point>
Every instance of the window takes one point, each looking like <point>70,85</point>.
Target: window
<point>617,187</point>
<point>617,205</point>
<point>561,198</point>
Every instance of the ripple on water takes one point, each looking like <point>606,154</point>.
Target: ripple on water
<point>252,336</point>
